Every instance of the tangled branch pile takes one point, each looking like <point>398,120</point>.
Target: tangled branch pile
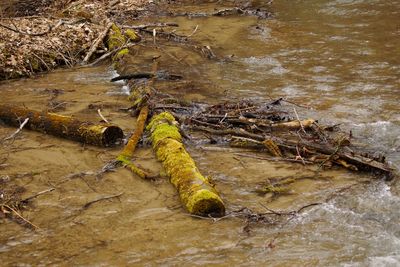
<point>273,127</point>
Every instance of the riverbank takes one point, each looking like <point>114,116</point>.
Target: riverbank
<point>39,36</point>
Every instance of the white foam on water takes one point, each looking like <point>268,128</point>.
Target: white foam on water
<point>386,261</point>
<point>125,90</point>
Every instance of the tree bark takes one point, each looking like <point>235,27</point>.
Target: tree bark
<point>62,126</point>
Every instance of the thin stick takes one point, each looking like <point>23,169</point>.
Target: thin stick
<point>299,156</point>
<point>298,119</point>
<point>38,194</point>
<point>293,103</point>
<point>130,147</point>
<point>97,43</point>
<point>17,131</point>
<point>154,36</point>
<point>101,116</point>
<point>44,63</point>
<point>157,25</point>
<point>108,54</point>
<point>195,30</point>
<point>272,158</point>
<point>50,28</point>
<point>21,217</point>
<point>27,33</point>
<point>87,205</point>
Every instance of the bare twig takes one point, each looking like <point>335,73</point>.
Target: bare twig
<point>17,131</point>
<point>273,158</point>
<point>44,63</point>
<point>298,119</point>
<point>101,116</point>
<point>38,194</point>
<point>293,103</point>
<point>151,25</point>
<point>97,43</point>
<point>194,31</point>
<point>299,156</point>
<point>87,205</point>
<point>107,55</point>
<point>19,216</point>
<point>15,29</point>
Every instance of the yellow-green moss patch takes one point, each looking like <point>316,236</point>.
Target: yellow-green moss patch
<point>115,38</point>
<point>195,191</point>
<point>132,35</point>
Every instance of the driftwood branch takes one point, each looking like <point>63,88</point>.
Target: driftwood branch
<point>49,29</point>
<point>101,116</point>
<point>96,44</point>
<point>17,131</point>
<point>151,25</point>
<point>6,209</point>
<point>87,205</point>
<point>147,75</point>
<point>38,194</point>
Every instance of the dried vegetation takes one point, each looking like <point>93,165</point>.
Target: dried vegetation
<point>38,36</point>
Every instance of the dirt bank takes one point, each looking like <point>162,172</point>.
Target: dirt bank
<point>38,36</point>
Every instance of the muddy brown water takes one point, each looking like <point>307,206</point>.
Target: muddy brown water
<point>339,57</point>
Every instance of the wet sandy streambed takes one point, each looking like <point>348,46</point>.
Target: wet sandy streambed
<point>339,57</point>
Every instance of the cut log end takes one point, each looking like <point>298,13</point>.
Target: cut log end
<point>205,202</point>
<point>62,126</point>
<point>112,135</point>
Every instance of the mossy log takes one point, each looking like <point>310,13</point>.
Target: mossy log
<point>196,192</point>
<point>117,39</point>
<point>126,155</point>
<point>62,126</point>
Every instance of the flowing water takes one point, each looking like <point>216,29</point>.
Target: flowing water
<point>339,57</point>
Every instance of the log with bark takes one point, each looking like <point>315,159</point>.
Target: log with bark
<point>196,192</point>
<point>62,126</point>
<point>125,157</point>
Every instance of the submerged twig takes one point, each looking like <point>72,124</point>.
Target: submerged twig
<point>151,25</point>
<point>38,194</point>
<point>87,205</point>
<point>15,212</point>
<point>17,131</point>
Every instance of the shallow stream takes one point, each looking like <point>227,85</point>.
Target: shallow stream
<point>340,57</point>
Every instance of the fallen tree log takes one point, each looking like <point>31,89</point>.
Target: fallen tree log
<point>62,126</point>
<point>196,192</point>
<point>126,155</point>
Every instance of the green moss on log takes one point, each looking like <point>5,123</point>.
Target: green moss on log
<point>132,35</point>
<point>195,190</point>
<point>121,53</point>
<point>115,38</point>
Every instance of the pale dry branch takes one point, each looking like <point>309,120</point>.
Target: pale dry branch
<point>17,131</point>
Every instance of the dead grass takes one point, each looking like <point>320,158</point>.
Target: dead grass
<point>40,35</point>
